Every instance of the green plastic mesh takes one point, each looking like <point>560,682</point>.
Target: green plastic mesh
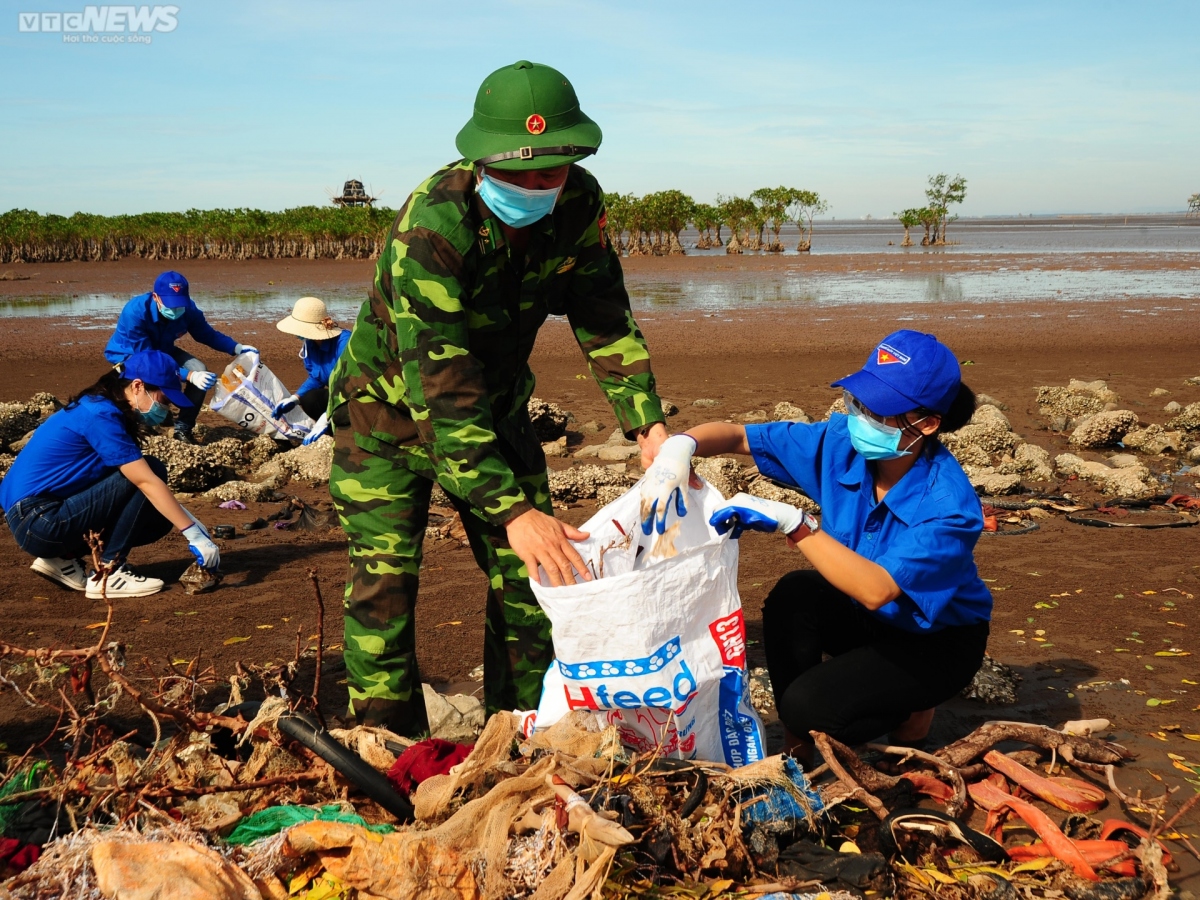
<point>27,779</point>
<point>269,822</point>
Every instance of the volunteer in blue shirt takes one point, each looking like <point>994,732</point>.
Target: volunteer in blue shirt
<point>894,596</point>
<point>322,343</point>
<point>83,471</point>
<point>155,321</point>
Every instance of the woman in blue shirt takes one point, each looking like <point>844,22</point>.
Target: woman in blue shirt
<point>321,345</point>
<point>83,471</point>
<point>893,596</point>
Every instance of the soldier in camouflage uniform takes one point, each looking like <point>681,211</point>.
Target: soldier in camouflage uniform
<point>434,384</point>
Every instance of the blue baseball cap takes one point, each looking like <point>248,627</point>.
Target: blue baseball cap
<point>907,370</point>
<point>156,368</point>
<point>172,289</point>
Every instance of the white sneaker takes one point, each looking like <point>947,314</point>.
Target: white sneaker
<point>69,572</point>
<point>124,582</point>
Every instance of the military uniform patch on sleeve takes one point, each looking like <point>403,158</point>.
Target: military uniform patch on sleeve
<point>603,225</point>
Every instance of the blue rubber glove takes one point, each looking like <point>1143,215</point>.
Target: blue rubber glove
<point>665,482</point>
<point>202,546</point>
<point>202,379</point>
<point>239,349</point>
<point>287,404</point>
<point>320,429</point>
<point>749,513</point>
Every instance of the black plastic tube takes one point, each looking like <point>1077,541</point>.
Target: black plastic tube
<point>301,728</point>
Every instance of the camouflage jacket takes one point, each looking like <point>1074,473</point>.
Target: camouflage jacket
<point>438,361</point>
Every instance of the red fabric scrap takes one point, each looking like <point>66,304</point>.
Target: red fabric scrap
<point>424,759</point>
<point>17,857</point>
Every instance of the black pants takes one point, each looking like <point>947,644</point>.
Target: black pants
<point>879,674</point>
<point>314,402</point>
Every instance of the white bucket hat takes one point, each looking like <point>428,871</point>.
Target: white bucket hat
<point>309,319</point>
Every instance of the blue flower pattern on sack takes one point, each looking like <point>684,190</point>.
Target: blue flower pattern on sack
<point>610,668</point>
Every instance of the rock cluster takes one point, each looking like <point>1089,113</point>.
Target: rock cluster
<point>195,468</point>
<point>1063,405</point>
<point>616,449</point>
<point>994,457</point>
<point>1121,476</point>
<point>838,406</point>
<point>246,491</point>
<point>310,464</point>
<point>583,482</point>
<point>994,684</point>
<point>549,419</point>
<point>1103,429</point>
<point>721,472</point>
<point>761,486</point>
<point>787,411</point>
<point>1153,440</point>
<point>1188,419</point>
<point>18,419</point>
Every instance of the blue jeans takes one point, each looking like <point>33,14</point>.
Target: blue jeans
<point>114,507</point>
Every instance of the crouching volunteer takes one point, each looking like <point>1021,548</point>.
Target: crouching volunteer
<point>434,388</point>
<point>321,344</point>
<point>82,471</point>
<point>155,321</point>
<point>895,598</point>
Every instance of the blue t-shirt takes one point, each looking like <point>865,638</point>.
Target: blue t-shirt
<point>70,451</point>
<point>923,532</point>
<point>319,359</point>
<point>142,327</point>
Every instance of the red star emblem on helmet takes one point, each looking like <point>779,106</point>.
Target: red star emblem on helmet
<point>535,124</point>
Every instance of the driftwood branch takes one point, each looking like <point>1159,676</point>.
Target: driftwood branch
<point>987,736</point>
<point>316,690</point>
<point>958,804</point>
<point>825,744</point>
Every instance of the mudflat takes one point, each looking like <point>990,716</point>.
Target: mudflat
<point>1102,601</point>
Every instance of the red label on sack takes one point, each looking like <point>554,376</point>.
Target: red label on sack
<point>730,635</point>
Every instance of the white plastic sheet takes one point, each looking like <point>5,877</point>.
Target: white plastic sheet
<point>656,643</point>
<point>246,393</point>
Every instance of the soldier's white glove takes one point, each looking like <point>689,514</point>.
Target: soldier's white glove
<point>666,481</point>
<point>239,349</point>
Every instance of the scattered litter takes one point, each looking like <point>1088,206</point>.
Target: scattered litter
<point>232,504</point>
<point>197,580</point>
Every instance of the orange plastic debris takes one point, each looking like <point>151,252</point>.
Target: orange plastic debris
<point>1070,794</point>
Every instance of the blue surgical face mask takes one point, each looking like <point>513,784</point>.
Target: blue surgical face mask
<point>871,438</point>
<point>304,348</point>
<point>516,206</point>
<point>155,415</point>
<point>171,312</point>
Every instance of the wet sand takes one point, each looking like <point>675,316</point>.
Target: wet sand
<point>1117,581</point>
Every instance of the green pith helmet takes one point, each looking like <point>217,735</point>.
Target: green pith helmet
<point>527,117</point>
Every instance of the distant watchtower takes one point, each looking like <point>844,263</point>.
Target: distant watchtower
<point>353,194</point>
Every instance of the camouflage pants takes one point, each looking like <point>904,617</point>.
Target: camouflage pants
<point>383,504</point>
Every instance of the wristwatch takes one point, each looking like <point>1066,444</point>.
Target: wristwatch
<point>810,525</point>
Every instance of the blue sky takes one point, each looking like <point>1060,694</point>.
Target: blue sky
<point>1044,107</point>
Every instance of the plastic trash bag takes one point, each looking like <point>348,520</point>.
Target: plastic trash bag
<point>246,393</point>
<point>656,643</point>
